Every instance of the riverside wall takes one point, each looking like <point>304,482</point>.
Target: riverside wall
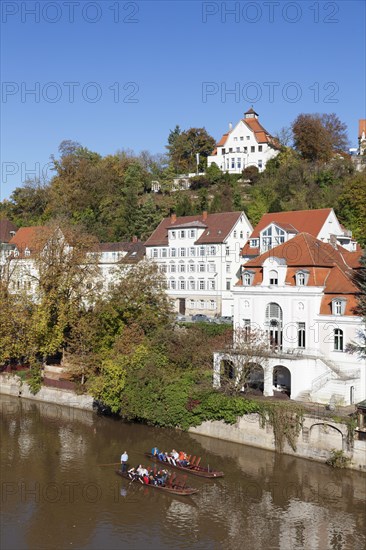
<point>12,385</point>
<point>317,438</point>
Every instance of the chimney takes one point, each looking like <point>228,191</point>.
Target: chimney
<point>333,242</point>
<point>230,126</point>
<point>134,239</point>
<point>204,215</point>
<point>173,218</point>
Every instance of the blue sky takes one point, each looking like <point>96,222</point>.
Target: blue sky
<point>116,75</point>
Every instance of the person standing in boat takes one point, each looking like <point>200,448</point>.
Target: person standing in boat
<point>124,460</point>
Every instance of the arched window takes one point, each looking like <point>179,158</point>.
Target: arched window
<point>338,339</point>
<point>274,324</point>
<point>273,277</point>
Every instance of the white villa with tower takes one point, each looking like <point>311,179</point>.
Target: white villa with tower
<point>247,144</point>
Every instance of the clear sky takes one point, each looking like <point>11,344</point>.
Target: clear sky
<point>116,75</point>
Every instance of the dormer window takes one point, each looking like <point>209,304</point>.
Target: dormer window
<point>302,278</point>
<point>254,243</point>
<point>248,277</point>
<point>27,252</point>
<point>272,236</point>
<point>338,306</point>
<point>273,277</point>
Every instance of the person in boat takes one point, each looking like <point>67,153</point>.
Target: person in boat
<point>174,457</point>
<point>145,478</point>
<point>161,456</point>
<point>124,459</point>
<point>182,459</point>
<point>155,451</point>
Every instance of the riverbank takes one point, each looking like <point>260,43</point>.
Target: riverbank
<point>317,438</point>
<point>13,385</point>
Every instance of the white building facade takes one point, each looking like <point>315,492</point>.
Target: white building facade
<point>200,256</point>
<point>304,307</point>
<point>247,144</point>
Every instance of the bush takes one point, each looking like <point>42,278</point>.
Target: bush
<point>338,459</point>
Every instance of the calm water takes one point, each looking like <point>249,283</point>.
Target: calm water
<point>55,494</point>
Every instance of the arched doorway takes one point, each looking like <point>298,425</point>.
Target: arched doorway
<point>274,325</point>
<point>255,379</point>
<point>227,370</point>
<point>282,379</point>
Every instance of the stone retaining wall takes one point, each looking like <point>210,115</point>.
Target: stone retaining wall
<point>12,385</point>
<point>316,440</point>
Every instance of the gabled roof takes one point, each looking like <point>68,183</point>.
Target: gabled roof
<point>6,227</point>
<point>216,228</point>
<point>28,237</point>
<point>361,127</point>
<point>133,249</point>
<point>304,221</point>
<point>260,133</point>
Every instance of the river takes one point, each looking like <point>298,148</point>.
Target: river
<point>56,494</point>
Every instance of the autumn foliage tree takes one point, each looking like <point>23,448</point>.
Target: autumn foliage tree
<point>319,136</point>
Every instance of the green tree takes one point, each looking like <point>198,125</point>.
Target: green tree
<point>186,145</point>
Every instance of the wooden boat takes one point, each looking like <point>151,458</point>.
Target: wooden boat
<point>193,468</point>
<point>170,487</point>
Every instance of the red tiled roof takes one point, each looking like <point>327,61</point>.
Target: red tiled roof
<point>217,228</point>
<point>304,221</point>
<point>28,237</point>
<point>327,267</point>
<point>260,133</point>
<point>361,126</point>
<point>6,227</point>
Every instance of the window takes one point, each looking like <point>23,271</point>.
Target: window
<point>211,267</point>
<point>164,253</point>
<point>234,234</point>
<point>228,284</point>
<point>273,277</point>
<point>233,163</point>
<point>201,268</point>
<point>164,268</point>
<point>238,163</point>
<point>202,250</point>
<point>192,251</point>
<point>241,235</point>
<point>191,268</point>
<point>182,268</point>
<point>155,253</point>
<point>173,234</point>
<point>272,236</point>
<point>252,149</point>
<point>227,268</point>
<point>212,284</point>
<point>300,279</point>
<point>173,252</point>
<point>260,163</point>
<point>173,268</point>
<point>274,324</point>
<point>241,138</point>
<point>230,149</point>
<point>182,284</point>
<point>212,304</point>
<point>192,284</point>
<point>173,284</point>
<point>202,304</point>
<point>192,304</point>
<point>182,234</point>
<point>248,137</point>
<point>223,151</point>
<point>246,328</point>
<point>182,252</point>
<point>227,251</point>
<point>235,139</point>
<point>338,339</point>
<point>247,278</point>
<point>260,148</point>
<point>245,149</point>
<point>192,233</point>
<point>201,285</point>
<point>254,243</point>
<point>212,250</point>
<point>338,306</point>
<point>301,335</point>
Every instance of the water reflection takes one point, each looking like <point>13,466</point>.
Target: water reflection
<point>55,494</point>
